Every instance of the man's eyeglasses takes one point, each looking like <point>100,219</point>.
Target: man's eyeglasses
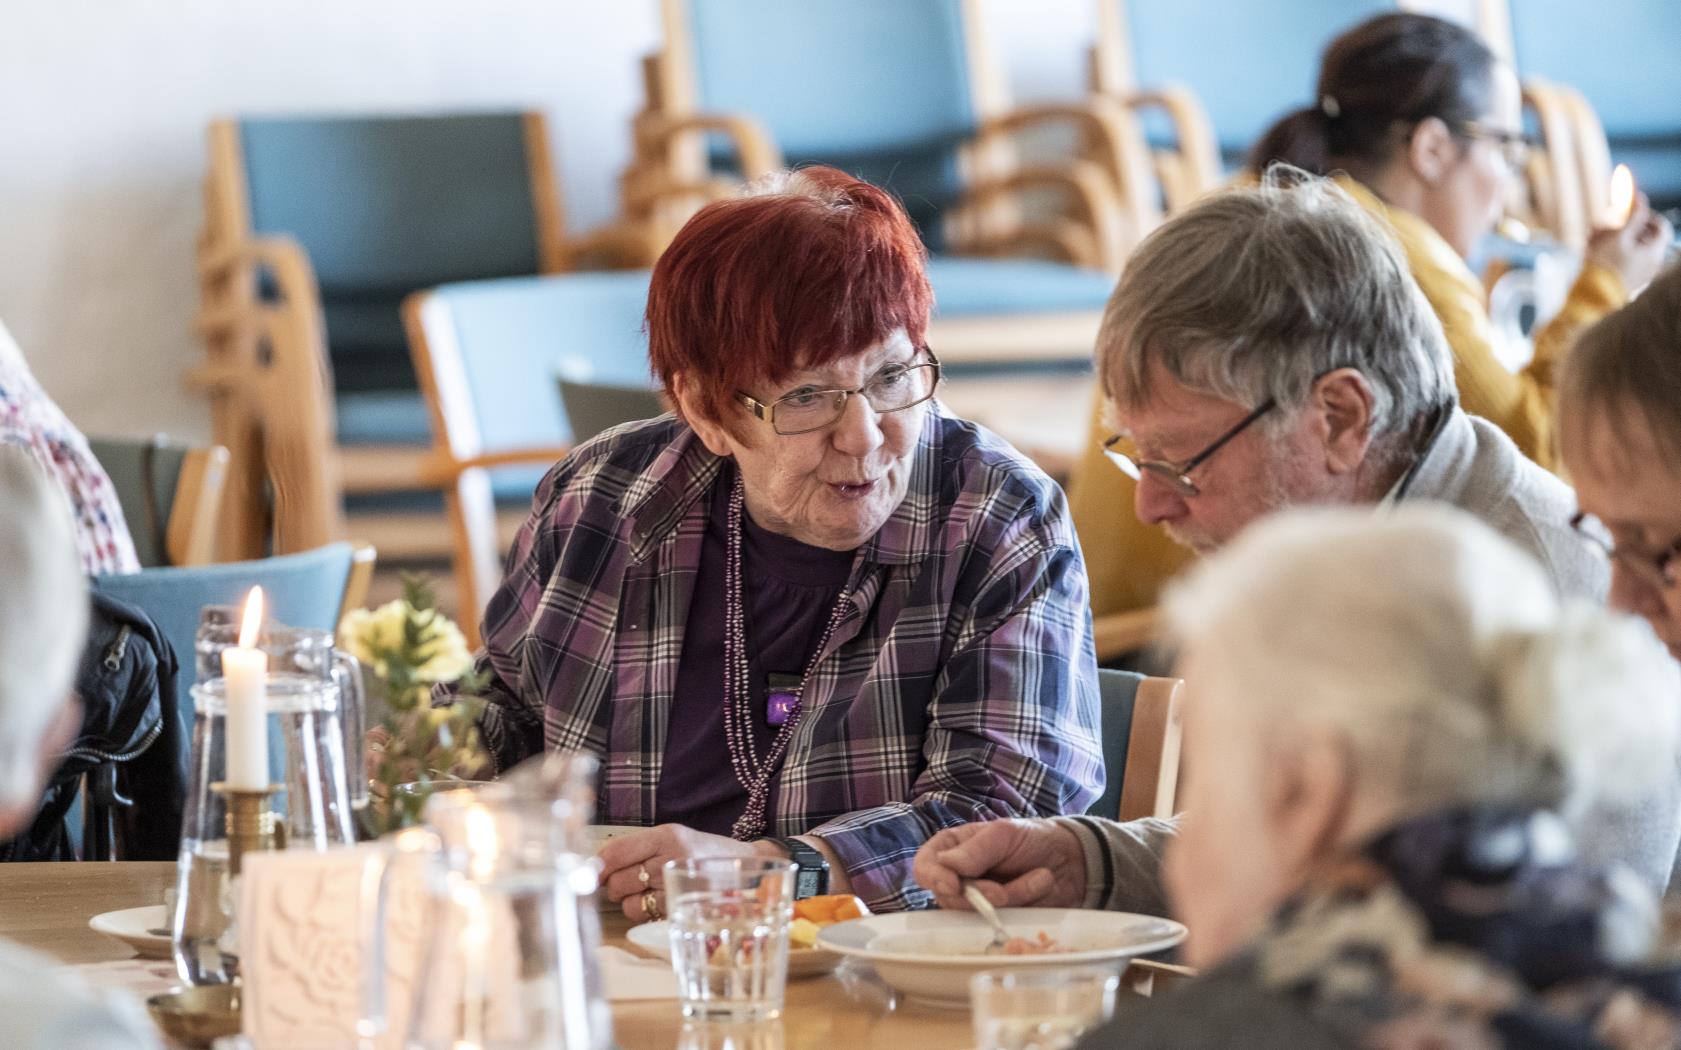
<point>893,389</point>
<point>1514,145</point>
<point>1656,569</point>
<point>1176,476</point>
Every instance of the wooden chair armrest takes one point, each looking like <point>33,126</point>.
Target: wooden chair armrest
<point>617,246</point>
<point>190,536</point>
<point>1117,144</point>
<point>1088,185</point>
<point>284,260</point>
<point>362,559</point>
<point>1117,634</point>
<point>442,470</point>
<point>1198,149</point>
<point>1568,221</point>
<point>1148,977</point>
<point>754,146</point>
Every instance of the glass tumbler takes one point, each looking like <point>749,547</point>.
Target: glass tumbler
<point>729,935</point>
<point>1040,1008</point>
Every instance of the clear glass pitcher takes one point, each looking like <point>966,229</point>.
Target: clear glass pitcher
<point>296,650</point>
<point>309,809</point>
<point>507,945</point>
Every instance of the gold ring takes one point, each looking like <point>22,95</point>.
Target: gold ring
<point>651,906</point>
<point>642,875</point>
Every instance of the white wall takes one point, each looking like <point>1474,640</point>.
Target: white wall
<point>103,105</point>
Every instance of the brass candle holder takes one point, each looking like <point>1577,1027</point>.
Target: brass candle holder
<point>251,825</point>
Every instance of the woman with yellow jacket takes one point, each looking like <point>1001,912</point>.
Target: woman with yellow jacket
<point>1422,125</point>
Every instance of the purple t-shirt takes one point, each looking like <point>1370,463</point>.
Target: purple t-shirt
<point>789,589</point>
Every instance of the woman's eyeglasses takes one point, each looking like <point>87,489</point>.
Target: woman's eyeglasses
<point>893,389</point>
<point>1176,476</point>
<point>1655,568</point>
<point>1514,145</point>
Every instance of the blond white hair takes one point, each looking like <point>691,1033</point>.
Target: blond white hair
<point>1438,650</point>
<point>43,617</point>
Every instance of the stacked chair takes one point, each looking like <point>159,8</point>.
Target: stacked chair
<point>316,228</point>
<point>170,493</point>
<point>909,97</point>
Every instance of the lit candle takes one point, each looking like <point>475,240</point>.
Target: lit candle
<point>1621,205</point>
<point>245,669</point>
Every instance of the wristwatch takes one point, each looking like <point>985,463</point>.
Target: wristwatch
<point>812,879</point>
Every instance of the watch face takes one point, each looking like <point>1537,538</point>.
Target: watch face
<point>809,883</point>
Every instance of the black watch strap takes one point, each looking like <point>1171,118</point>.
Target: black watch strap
<point>812,879</point>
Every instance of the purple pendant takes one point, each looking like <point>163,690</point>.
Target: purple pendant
<point>782,696</point>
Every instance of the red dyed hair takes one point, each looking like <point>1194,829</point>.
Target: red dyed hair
<point>808,267</point>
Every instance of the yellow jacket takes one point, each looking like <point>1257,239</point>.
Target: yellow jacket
<point>1127,562</point>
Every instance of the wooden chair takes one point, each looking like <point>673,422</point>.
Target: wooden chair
<point>907,96</point>
<point>315,230</point>
<point>487,354</point>
<point>171,495</point>
<point>1141,744</point>
<point>1210,76</point>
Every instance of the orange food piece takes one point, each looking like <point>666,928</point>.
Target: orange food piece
<point>830,908</point>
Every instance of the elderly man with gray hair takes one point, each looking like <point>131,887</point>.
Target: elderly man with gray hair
<point>1266,349</point>
<point>43,617</point>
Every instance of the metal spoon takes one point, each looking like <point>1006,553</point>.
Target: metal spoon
<point>977,900</point>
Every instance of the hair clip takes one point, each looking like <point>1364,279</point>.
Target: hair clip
<point>1329,106</point>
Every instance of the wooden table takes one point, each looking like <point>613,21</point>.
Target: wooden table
<point>47,907</point>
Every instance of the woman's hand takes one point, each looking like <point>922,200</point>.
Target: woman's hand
<point>1016,864</point>
<point>1635,252</point>
<point>632,864</point>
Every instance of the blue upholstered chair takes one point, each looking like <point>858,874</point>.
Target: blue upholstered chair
<point>316,229</point>
<point>905,96</point>
<point>1617,55</point>
<point>1141,745</point>
<point>487,354</point>
<point>301,590</point>
<point>1242,65</point>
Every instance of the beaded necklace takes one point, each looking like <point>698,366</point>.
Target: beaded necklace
<point>750,771</point>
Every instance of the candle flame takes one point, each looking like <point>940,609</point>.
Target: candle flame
<point>1622,196</point>
<point>253,621</point>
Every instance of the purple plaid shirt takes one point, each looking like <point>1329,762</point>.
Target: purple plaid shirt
<point>960,686</point>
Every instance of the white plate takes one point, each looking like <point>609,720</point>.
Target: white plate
<point>134,926</point>
<point>932,954</point>
<point>655,937</point>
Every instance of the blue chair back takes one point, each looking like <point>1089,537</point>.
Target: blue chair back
<point>1250,64</point>
<point>301,590</point>
<point>1117,691</point>
<point>1615,52</point>
<point>879,88</point>
<point>386,205</point>
<point>510,339</point>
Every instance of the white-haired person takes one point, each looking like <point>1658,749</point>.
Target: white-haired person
<point>43,618</point>
<point>1390,720</point>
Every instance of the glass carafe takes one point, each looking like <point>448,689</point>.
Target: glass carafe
<point>507,948</point>
<point>296,650</point>
<point>309,809</point>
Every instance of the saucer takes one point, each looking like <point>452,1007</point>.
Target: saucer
<point>136,927</point>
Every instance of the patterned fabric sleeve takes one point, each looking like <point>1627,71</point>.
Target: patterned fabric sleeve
<point>1013,724</point>
<point>1123,861</point>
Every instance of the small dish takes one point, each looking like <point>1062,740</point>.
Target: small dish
<point>931,955</point>
<point>197,1016</point>
<point>146,930</point>
<point>655,937</point>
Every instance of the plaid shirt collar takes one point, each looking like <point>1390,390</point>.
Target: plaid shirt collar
<point>656,503</point>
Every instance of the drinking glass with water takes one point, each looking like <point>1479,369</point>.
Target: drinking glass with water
<point>729,935</point>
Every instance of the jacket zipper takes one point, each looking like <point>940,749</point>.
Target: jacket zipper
<point>114,655</point>
<point>127,756</point>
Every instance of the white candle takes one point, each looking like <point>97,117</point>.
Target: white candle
<point>245,671</point>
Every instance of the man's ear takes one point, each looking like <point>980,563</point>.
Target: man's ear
<point>1310,793</point>
<point>1342,403</point>
<point>711,433</point>
<point>1432,149</point>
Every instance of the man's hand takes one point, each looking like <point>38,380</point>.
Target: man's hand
<point>1016,864</point>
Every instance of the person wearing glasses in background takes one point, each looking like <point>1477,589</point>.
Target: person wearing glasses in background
<point>811,614</point>
<point>1422,125</point>
<point>1620,433</point>
<point>1266,349</point>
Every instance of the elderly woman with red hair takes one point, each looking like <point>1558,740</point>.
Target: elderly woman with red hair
<point>810,614</point>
